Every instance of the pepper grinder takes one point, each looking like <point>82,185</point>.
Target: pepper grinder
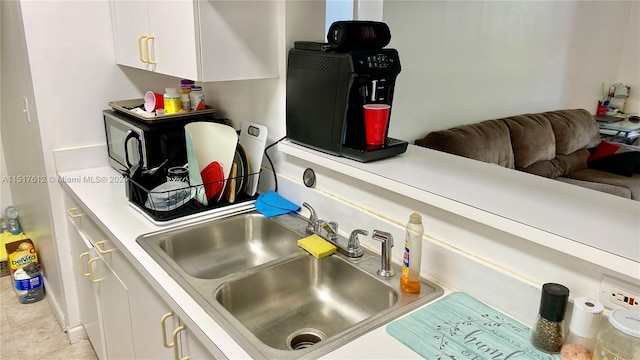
<point>548,331</point>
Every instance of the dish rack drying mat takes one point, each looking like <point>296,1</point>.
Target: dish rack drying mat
<point>461,327</point>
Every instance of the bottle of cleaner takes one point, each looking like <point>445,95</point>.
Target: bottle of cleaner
<point>410,279</point>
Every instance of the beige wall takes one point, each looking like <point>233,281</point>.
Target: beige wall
<point>467,61</point>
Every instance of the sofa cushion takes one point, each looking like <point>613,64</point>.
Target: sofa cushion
<point>609,189</point>
<point>487,141</point>
<point>547,168</point>
<point>632,183</point>
<point>606,148</point>
<point>560,165</point>
<point>532,139</point>
<point>574,161</point>
<point>574,130</point>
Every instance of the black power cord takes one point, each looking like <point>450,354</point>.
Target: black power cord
<point>275,176</point>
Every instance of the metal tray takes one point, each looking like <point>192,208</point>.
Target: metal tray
<point>125,106</point>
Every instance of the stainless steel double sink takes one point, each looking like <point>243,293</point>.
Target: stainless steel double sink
<point>275,299</point>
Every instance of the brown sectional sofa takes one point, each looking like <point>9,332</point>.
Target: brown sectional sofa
<point>552,144</point>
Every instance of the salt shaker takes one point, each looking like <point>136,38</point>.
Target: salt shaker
<point>548,331</point>
<point>585,319</point>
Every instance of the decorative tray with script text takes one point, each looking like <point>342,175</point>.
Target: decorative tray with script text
<point>461,327</point>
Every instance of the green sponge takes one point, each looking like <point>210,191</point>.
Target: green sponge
<point>317,246</point>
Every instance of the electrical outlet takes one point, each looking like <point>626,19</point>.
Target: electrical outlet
<point>616,293</point>
<point>625,298</point>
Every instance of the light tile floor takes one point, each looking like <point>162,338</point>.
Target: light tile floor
<point>30,331</point>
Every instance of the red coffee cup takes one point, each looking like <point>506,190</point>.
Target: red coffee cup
<point>376,118</point>
<point>602,110</point>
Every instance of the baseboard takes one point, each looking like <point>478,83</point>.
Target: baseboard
<point>55,307</point>
<point>76,334</point>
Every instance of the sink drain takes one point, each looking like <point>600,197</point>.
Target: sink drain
<point>304,338</point>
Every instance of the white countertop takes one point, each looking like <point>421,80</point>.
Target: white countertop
<point>101,190</point>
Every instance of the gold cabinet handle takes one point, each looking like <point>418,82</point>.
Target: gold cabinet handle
<point>176,354</point>
<point>148,49</point>
<point>73,214</point>
<point>100,249</point>
<point>164,330</point>
<point>140,48</point>
<point>84,273</point>
<point>91,278</point>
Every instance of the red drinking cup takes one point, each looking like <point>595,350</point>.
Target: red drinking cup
<point>376,118</point>
<point>153,101</point>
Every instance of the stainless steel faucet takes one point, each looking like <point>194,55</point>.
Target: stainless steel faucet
<point>312,225</point>
<point>329,231</point>
<point>353,246</point>
<point>385,257</point>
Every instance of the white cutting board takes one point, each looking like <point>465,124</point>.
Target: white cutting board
<point>253,138</point>
<point>208,142</point>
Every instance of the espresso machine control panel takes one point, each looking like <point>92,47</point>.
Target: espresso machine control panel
<point>382,61</point>
<point>379,61</point>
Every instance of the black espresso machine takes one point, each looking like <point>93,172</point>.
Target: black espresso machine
<point>328,84</point>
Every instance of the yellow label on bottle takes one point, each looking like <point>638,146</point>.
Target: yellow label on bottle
<point>171,105</point>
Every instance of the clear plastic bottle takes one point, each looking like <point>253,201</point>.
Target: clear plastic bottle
<point>28,284</point>
<point>14,227</point>
<point>185,91</point>
<point>171,101</point>
<point>410,279</point>
<point>4,227</point>
<point>197,98</point>
<point>11,212</point>
<point>185,101</point>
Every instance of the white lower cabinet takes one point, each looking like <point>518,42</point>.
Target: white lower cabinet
<point>114,306</point>
<point>90,315</point>
<point>123,316</point>
<point>103,298</point>
<point>159,333</point>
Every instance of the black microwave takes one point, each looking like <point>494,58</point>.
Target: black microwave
<point>148,143</point>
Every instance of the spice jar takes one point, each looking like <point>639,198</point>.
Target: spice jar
<point>619,338</point>
<point>185,90</point>
<point>548,331</point>
<point>585,319</point>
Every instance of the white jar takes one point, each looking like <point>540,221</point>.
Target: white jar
<point>619,338</point>
<point>197,98</point>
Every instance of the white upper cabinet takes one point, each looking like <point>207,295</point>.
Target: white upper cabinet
<point>198,39</point>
